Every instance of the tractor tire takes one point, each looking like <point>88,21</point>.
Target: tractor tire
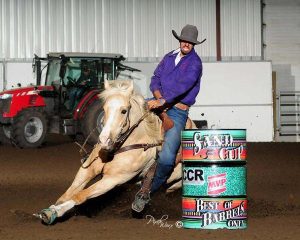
<point>91,123</point>
<point>5,134</point>
<point>29,128</point>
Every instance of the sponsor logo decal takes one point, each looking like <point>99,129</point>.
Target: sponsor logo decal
<point>193,176</point>
<point>210,217</point>
<point>228,149</point>
<point>216,184</point>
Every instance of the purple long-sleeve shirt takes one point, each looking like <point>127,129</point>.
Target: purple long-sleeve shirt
<point>180,83</point>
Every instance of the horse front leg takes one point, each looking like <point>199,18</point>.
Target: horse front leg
<point>102,186</point>
<point>88,170</point>
<point>91,168</point>
<point>82,178</point>
<point>65,202</point>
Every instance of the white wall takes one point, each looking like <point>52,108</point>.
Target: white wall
<point>238,83</point>
<point>237,95</point>
<point>232,95</point>
<point>19,73</point>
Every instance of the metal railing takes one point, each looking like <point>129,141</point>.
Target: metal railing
<point>288,113</point>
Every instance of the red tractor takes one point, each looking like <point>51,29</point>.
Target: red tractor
<point>66,104</point>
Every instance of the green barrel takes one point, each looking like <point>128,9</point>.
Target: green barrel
<point>214,193</point>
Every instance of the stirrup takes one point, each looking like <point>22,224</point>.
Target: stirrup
<point>140,201</point>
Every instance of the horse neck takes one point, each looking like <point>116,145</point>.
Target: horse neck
<point>148,130</point>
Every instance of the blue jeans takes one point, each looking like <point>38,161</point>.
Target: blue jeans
<point>167,156</point>
<point>74,94</point>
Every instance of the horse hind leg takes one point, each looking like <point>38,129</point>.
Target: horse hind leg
<point>190,124</point>
<point>177,185</point>
<point>175,178</point>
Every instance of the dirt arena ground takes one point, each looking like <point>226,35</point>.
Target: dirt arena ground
<point>31,180</point>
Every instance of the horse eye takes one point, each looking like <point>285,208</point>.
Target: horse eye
<point>124,111</point>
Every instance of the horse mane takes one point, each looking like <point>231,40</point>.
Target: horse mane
<point>116,87</point>
<point>151,123</point>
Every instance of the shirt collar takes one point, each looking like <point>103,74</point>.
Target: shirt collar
<point>176,51</point>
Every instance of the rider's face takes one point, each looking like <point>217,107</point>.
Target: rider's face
<point>185,47</point>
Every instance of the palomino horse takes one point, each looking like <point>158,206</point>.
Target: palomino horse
<point>125,115</point>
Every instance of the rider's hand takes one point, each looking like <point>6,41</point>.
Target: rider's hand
<point>154,104</point>
<point>157,94</point>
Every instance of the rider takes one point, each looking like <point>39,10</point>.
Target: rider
<point>86,79</point>
<point>175,85</point>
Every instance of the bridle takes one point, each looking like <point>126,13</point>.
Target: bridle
<point>117,147</point>
<point>121,138</point>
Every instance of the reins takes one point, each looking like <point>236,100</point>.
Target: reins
<point>146,146</point>
<point>122,137</point>
<point>117,148</point>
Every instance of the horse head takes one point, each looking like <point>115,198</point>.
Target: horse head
<point>116,120</point>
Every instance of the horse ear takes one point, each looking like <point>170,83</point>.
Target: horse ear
<point>106,84</point>
<point>130,88</point>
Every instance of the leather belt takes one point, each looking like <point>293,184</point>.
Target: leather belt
<point>182,106</point>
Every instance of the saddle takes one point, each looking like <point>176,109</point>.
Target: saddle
<point>166,121</point>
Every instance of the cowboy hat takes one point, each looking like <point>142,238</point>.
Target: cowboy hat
<point>189,33</point>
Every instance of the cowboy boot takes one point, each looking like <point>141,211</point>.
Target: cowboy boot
<point>167,122</point>
<point>142,197</point>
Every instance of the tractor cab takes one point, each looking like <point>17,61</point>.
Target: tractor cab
<point>73,75</point>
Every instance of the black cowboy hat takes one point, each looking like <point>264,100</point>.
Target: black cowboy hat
<point>189,33</point>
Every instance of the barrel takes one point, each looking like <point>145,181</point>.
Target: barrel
<point>214,191</point>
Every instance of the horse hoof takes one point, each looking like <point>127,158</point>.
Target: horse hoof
<point>47,215</point>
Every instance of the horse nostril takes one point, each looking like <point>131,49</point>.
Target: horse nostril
<point>105,140</point>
